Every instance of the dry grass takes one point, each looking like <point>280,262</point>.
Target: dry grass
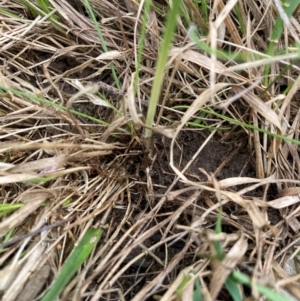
<point>69,161</point>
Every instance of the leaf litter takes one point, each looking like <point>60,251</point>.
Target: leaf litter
<point>71,157</point>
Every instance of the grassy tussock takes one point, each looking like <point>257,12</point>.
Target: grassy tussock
<point>106,110</point>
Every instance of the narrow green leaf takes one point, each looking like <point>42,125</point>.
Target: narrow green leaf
<point>250,126</point>
<point>45,5</point>
<point>8,208</point>
<point>142,42</point>
<point>289,8</point>
<point>204,10</point>
<point>269,293</point>
<point>233,288</point>
<point>161,63</point>
<point>54,105</point>
<point>7,237</point>
<point>9,14</point>
<point>79,254</point>
<point>222,54</point>
<point>218,229</point>
<point>182,285</point>
<point>243,124</point>
<point>102,40</point>
<point>239,16</point>
<point>197,296</point>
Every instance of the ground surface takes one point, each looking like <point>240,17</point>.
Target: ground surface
<point>70,162</point>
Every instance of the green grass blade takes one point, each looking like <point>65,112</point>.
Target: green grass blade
<point>204,10</point>
<point>218,228</point>
<point>237,122</point>
<point>9,14</point>
<point>239,16</point>
<point>203,126</point>
<point>103,43</point>
<point>217,245</point>
<point>289,8</point>
<point>161,63</point>
<point>34,9</point>
<point>182,285</point>
<point>233,288</point>
<point>7,237</point>
<point>57,106</point>
<point>43,11</point>
<point>252,127</point>
<point>54,105</point>
<point>79,254</point>
<point>39,180</point>
<point>269,293</point>
<point>142,42</point>
<point>197,296</point>
<point>8,208</point>
<point>221,54</point>
<point>45,6</point>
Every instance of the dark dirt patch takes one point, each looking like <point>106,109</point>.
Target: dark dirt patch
<point>223,159</point>
<point>219,157</point>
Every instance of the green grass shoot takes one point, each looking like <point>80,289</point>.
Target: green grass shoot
<point>77,257</point>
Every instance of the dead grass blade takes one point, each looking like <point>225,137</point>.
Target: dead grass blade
<point>222,269</point>
<point>199,102</point>
<point>75,83</point>
<point>32,200</point>
<point>258,105</point>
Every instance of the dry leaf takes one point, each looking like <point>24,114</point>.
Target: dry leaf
<point>224,268</point>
